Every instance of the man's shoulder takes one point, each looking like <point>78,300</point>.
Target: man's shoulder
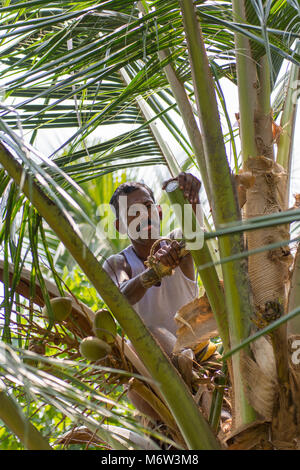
<point>116,263</point>
<point>117,259</point>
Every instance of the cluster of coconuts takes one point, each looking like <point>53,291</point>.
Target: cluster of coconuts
<point>97,347</point>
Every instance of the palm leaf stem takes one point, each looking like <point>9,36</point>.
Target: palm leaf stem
<point>18,423</point>
<point>255,223</point>
<point>247,253</point>
<point>169,157</point>
<point>263,111</point>
<point>224,207</point>
<point>288,118</point>
<point>246,76</point>
<point>189,120</point>
<point>185,109</point>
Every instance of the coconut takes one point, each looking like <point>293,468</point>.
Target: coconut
<point>61,307</point>
<point>93,348</point>
<point>104,326</point>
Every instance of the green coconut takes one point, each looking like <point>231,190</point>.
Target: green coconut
<point>104,326</point>
<point>93,348</point>
<point>61,307</point>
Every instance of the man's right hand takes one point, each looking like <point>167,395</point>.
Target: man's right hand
<point>189,184</point>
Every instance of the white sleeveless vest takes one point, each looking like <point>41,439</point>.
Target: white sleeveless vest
<point>160,303</point>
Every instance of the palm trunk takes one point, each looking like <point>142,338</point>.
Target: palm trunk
<point>268,270</point>
<point>294,296</point>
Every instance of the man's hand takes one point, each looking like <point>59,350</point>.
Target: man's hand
<point>169,254</point>
<point>190,185</point>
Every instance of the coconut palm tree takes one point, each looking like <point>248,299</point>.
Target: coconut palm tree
<point>160,67</point>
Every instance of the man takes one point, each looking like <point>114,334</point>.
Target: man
<point>157,304</point>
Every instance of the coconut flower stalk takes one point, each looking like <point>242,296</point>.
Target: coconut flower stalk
<point>201,257</point>
<point>195,430</point>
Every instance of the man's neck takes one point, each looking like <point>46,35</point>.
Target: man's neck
<point>142,250</point>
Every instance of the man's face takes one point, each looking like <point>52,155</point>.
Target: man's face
<point>139,216</point>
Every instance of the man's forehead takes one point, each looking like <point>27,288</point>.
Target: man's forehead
<point>140,195</point>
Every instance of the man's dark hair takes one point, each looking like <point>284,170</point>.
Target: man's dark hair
<point>127,188</point>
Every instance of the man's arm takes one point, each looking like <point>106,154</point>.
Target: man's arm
<point>120,272</point>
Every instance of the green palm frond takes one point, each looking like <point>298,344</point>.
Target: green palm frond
<point>69,388</point>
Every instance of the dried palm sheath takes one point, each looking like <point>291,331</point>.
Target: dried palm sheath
<point>196,324</point>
